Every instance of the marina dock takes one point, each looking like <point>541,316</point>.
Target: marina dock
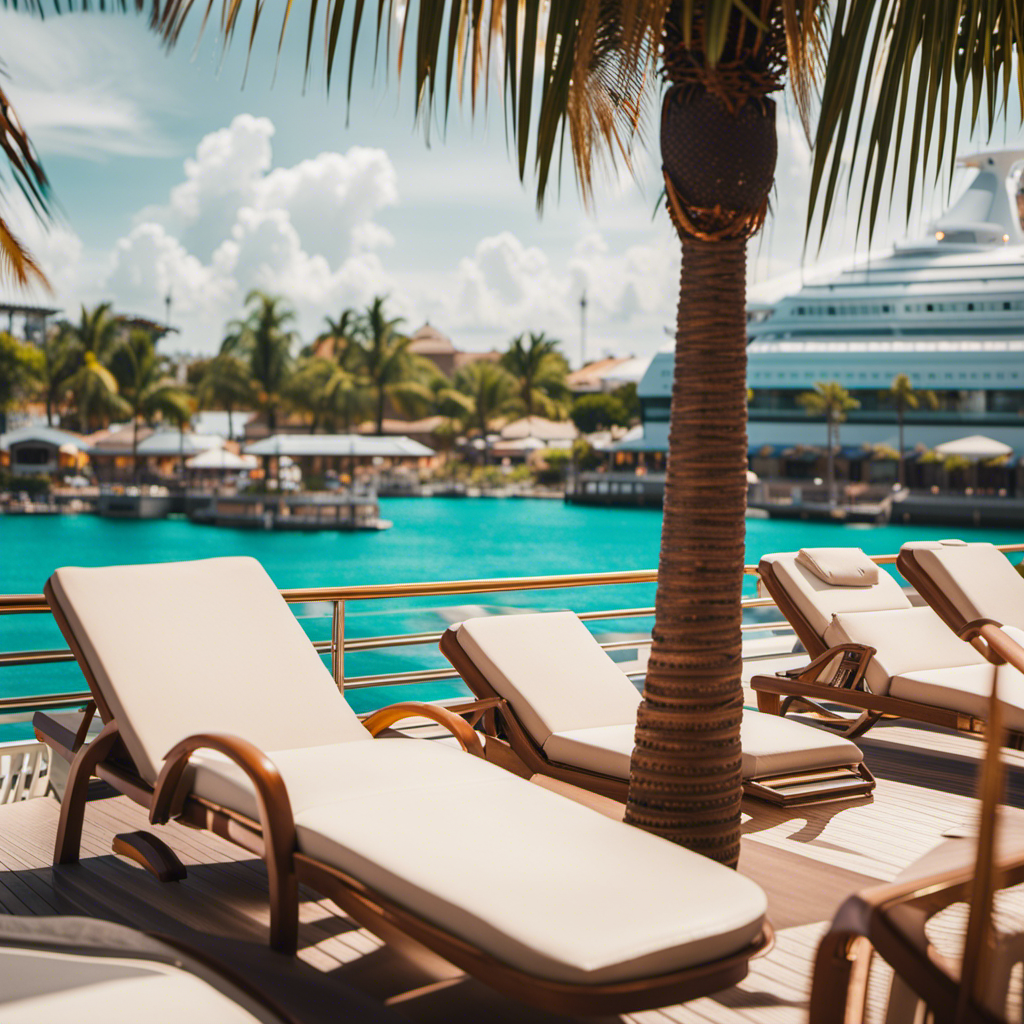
<point>345,511</point>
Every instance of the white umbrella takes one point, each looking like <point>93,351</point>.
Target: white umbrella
<point>221,458</point>
<point>975,447</point>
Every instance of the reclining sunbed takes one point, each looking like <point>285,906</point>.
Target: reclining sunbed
<point>569,712</point>
<point>220,713</point>
<point>83,970</point>
<point>873,650</point>
<point>963,581</point>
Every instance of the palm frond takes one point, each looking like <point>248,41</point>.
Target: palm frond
<point>927,62</point>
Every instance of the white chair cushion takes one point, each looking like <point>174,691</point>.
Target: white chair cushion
<point>771,746</point>
<point>39,986</point>
<point>551,670</point>
<point>977,578</point>
<point>839,567</point>
<point>185,647</point>
<point>540,882</point>
<point>966,689</point>
<point>907,640</point>
<point>818,601</point>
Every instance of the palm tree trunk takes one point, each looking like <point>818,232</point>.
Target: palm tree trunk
<point>685,776</point>
<point>135,449</point>
<point>832,462</point>
<point>902,468</point>
<point>380,411</point>
<point>231,432</point>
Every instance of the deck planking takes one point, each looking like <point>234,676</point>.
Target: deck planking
<point>807,860</point>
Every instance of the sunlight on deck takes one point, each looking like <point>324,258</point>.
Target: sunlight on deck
<point>807,860</point>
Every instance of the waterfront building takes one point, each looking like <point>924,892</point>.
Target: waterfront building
<point>42,451</point>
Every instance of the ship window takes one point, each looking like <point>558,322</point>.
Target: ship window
<point>930,307</point>
<point>1006,305</point>
<point>970,307</point>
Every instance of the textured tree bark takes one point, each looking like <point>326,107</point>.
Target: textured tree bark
<point>685,777</point>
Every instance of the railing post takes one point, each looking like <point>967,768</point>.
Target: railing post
<point>338,644</point>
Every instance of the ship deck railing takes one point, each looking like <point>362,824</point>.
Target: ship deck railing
<point>340,600</point>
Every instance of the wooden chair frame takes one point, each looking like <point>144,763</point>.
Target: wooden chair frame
<point>785,790</point>
<point>846,686</point>
<point>272,838</point>
<point>890,920</point>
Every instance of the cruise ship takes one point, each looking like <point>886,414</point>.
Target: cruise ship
<point>946,309</point>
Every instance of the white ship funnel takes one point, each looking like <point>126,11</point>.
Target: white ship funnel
<point>987,213</point>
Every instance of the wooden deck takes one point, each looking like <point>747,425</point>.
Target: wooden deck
<point>807,860</point>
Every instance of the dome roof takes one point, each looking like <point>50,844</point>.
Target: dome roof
<point>429,341</point>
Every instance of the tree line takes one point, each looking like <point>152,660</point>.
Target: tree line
<point>106,368</point>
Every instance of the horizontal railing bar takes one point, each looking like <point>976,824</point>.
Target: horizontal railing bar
<point>399,678</point>
<point>54,657</point>
<point>380,591</point>
<point>617,613</point>
<point>46,700</point>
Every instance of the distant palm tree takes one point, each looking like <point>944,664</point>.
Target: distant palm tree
<point>58,353</point>
<point>540,372</point>
<point>489,391</point>
<point>226,384</point>
<point>147,388</point>
<point>263,340</point>
<point>393,371</point>
<point>342,334</point>
<point>904,397</point>
<point>832,401</point>
<point>93,341</point>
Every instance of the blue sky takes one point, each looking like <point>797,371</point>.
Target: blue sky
<point>171,176</point>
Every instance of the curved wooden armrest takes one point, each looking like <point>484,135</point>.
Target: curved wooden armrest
<point>458,727</point>
<point>276,820</point>
<point>987,637</point>
<point>851,674</point>
<point>271,795</point>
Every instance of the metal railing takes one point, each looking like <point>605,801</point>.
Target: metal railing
<point>339,645</point>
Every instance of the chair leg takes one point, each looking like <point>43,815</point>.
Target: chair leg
<point>862,724</point>
<point>840,980</point>
<point>768,703</point>
<point>72,808</point>
<point>284,910</point>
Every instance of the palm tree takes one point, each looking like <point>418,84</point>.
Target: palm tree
<point>393,371</point>
<point>488,390</point>
<point>722,59</point>
<point>904,397</point>
<point>93,342</point>
<point>540,371</point>
<point>226,383</point>
<point>58,352</point>
<point>146,386</point>
<point>263,340</point>
<point>832,401</point>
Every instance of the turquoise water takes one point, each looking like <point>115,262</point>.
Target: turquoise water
<point>432,539</point>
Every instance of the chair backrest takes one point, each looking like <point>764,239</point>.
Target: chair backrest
<point>966,581</point>
<point>551,670</point>
<point>179,648</point>
<point>838,595</point>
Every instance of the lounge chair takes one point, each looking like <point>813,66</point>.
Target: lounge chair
<point>963,581</point>
<point>972,983</point>
<point>569,712</point>
<point>80,969</point>
<point>220,713</point>
<point>873,650</point>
